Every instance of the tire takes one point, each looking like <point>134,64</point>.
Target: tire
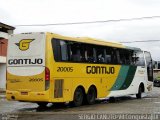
<point>112,99</point>
<point>42,104</point>
<point>139,94</point>
<point>91,96</point>
<point>59,105</point>
<point>78,97</point>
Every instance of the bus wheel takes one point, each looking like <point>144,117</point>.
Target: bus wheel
<point>78,97</point>
<point>62,104</point>
<point>91,96</point>
<point>139,94</point>
<point>112,99</point>
<point>42,104</point>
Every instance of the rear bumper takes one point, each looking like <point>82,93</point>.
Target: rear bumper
<point>29,97</point>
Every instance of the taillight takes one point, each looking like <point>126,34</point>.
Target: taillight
<point>47,78</point>
<point>47,74</point>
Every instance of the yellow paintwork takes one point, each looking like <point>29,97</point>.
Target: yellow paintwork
<point>72,80</point>
<point>18,84</point>
<point>21,82</point>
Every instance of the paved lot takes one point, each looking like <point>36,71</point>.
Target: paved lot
<point>123,108</point>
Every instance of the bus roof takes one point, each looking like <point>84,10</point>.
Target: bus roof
<point>88,40</point>
<point>93,41</point>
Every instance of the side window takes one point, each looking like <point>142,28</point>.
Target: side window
<point>56,49</point>
<point>125,56</point>
<point>64,50</point>
<point>138,58</point>
<point>90,53</point>
<point>110,55</point>
<point>107,56</point>
<point>75,51</point>
<point>60,50</point>
<point>100,54</point>
<point>122,56</point>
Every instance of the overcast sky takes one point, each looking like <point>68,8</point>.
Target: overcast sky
<point>25,12</point>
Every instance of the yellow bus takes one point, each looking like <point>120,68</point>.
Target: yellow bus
<point>50,68</point>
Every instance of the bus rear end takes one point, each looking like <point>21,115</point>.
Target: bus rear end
<point>27,76</point>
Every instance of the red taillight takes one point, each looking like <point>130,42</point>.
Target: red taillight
<point>47,74</point>
<point>47,78</point>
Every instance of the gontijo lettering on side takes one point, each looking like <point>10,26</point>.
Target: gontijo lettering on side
<point>100,70</point>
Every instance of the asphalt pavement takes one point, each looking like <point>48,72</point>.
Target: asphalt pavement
<point>125,108</point>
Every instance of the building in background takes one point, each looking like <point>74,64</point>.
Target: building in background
<point>156,69</point>
<point>5,31</point>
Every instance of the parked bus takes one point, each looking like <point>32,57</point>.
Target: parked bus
<point>46,67</point>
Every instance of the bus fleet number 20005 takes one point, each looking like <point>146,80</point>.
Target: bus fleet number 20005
<point>64,69</point>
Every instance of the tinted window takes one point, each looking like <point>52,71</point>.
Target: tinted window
<point>83,52</point>
<point>100,54</point>
<point>110,55</point>
<point>90,53</point>
<point>64,49</point>
<point>73,51</point>
<point>125,56</point>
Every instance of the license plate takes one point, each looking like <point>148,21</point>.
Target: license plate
<point>24,93</point>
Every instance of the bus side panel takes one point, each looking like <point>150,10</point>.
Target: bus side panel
<point>139,77</point>
<point>77,74</point>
